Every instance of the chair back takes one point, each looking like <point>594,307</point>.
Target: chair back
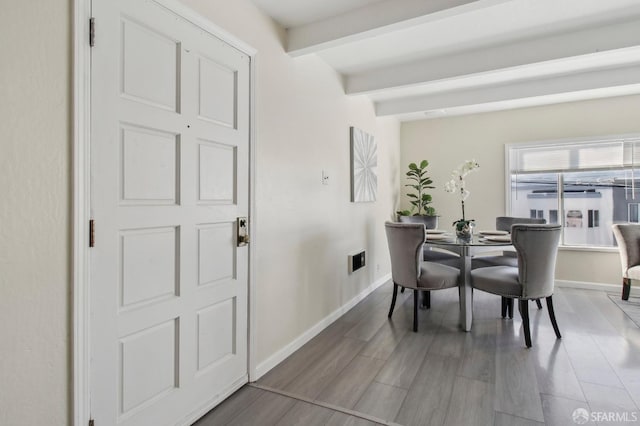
<point>537,248</point>
<point>628,239</point>
<point>405,247</point>
<point>504,223</point>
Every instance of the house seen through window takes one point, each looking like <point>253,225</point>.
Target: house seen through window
<point>586,186</point>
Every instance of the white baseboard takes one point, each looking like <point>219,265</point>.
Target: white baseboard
<point>609,288</point>
<point>297,343</point>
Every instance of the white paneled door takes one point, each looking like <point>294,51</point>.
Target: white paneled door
<point>169,178</point>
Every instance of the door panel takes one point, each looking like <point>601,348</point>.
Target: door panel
<point>216,258</point>
<point>216,333</point>
<point>150,165</point>
<point>169,166</point>
<point>147,368</point>
<point>149,266</point>
<point>217,85</point>
<point>149,65</point>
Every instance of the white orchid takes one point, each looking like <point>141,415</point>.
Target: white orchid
<point>457,183</point>
<point>450,186</point>
<point>466,168</point>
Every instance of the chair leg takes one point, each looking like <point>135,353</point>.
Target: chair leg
<point>510,307</point>
<point>552,316</point>
<point>524,313</point>
<point>626,288</point>
<point>539,303</point>
<point>402,291</point>
<point>426,300</point>
<point>503,301</point>
<point>393,299</point>
<point>415,310</point>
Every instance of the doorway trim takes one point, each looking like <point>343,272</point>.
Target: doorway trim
<point>81,86</point>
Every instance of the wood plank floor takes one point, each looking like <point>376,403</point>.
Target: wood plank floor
<point>367,370</point>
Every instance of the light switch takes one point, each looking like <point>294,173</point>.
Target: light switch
<point>325,177</point>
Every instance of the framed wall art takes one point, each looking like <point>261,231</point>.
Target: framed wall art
<point>364,165</point>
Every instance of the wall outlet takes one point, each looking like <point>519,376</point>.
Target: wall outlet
<point>357,261</point>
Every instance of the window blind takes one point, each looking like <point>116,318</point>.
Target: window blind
<point>563,157</point>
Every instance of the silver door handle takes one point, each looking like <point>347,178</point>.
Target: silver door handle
<point>242,231</point>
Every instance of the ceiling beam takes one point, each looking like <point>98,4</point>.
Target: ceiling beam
<point>509,58</point>
<point>379,18</point>
<point>609,78</point>
<point>584,95</point>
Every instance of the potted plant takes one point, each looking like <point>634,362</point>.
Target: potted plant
<point>420,200</point>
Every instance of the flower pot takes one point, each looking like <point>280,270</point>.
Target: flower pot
<point>430,222</point>
<point>464,229</point>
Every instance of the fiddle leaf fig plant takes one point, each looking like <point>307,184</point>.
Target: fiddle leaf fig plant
<point>419,198</point>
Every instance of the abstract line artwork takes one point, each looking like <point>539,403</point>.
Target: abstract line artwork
<point>364,165</point>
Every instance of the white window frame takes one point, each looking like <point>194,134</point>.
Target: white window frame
<point>556,142</point>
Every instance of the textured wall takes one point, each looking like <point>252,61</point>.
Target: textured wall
<point>35,156</point>
<point>448,141</point>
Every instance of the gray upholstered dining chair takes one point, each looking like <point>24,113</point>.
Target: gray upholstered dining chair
<point>433,255</point>
<point>428,253</point>
<point>507,258</point>
<point>537,248</point>
<point>408,269</point>
<point>503,223</point>
<point>628,239</point>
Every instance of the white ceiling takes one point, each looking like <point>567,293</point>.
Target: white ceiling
<point>420,59</point>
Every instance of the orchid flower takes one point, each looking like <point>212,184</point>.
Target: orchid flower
<point>457,182</point>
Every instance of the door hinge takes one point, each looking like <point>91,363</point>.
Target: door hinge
<point>92,32</point>
<point>92,233</point>
<point>92,422</point>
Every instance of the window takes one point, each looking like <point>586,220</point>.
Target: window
<point>633,216</point>
<point>585,185</point>
<point>536,214</point>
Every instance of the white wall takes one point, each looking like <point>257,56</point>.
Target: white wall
<point>35,155</point>
<point>305,229</point>
<point>446,142</point>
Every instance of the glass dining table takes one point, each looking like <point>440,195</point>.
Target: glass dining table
<point>466,249</point>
